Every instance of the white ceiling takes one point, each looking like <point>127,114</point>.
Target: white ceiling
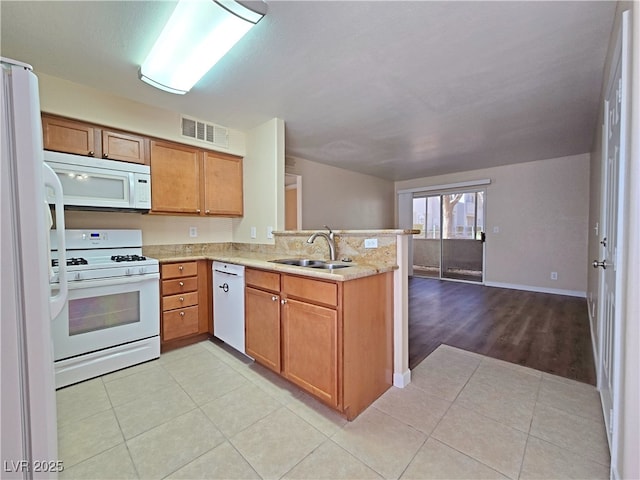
<point>394,89</point>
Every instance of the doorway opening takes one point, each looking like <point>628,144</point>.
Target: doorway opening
<point>292,202</point>
<point>450,244</point>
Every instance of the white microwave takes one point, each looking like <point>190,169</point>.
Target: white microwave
<point>95,183</point>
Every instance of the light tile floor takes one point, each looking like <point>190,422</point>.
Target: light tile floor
<point>205,412</point>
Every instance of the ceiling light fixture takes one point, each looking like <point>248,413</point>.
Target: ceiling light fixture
<point>198,34</point>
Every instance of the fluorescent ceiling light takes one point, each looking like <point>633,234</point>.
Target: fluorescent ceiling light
<point>198,34</point>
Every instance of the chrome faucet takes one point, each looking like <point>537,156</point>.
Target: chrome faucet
<point>330,238</point>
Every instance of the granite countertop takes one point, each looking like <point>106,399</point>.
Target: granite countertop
<point>261,260</point>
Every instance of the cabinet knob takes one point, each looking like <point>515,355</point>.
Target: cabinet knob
<point>182,299</point>
<point>198,210</point>
<point>207,211</point>
<point>180,268</point>
<point>91,153</point>
<point>181,284</point>
<point>182,314</point>
<point>283,301</point>
<point>274,298</point>
<point>105,155</point>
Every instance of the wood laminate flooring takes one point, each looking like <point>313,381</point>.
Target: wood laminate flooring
<point>539,330</point>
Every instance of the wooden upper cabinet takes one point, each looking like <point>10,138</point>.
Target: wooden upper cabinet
<point>69,136</point>
<point>175,178</point>
<point>126,147</point>
<point>222,184</point>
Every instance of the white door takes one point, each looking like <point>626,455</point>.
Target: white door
<point>611,262</point>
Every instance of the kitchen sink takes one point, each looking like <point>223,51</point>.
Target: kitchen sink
<point>299,262</point>
<point>330,266</point>
<point>306,262</point>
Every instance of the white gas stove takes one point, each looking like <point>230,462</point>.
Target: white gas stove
<point>94,254</point>
<point>112,317</point>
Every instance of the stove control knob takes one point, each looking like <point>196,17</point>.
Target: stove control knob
<point>128,271</point>
<point>142,271</point>
<point>77,276</point>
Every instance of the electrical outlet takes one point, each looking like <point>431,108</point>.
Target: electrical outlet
<point>554,275</point>
<point>269,232</point>
<point>253,232</point>
<point>193,232</point>
<point>371,243</point>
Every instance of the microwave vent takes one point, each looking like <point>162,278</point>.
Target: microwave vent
<point>205,132</point>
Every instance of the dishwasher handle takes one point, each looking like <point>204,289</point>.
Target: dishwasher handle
<point>226,273</point>
<point>224,287</point>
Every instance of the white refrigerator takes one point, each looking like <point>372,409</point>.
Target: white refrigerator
<point>28,445</point>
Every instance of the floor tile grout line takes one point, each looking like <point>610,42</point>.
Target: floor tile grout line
<point>577,453</point>
<point>473,411</point>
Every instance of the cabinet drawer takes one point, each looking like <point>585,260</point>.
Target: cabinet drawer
<point>308,289</point>
<point>177,270</point>
<point>179,285</point>
<point>262,279</point>
<point>179,323</point>
<point>179,301</point>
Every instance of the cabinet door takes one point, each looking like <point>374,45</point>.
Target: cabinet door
<point>124,146</point>
<point>310,348</point>
<point>175,178</point>
<point>262,327</point>
<point>62,135</point>
<point>222,185</point>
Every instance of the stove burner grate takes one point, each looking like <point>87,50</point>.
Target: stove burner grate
<point>70,262</point>
<point>128,258</point>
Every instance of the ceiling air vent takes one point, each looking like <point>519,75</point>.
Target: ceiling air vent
<point>205,132</point>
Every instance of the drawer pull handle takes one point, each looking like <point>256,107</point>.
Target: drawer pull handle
<point>180,268</point>
<point>182,299</point>
<point>182,314</point>
<point>181,284</point>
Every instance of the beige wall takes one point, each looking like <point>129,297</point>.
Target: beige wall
<point>156,229</point>
<point>627,464</point>
<point>263,183</point>
<point>72,100</point>
<point>541,211</point>
<point>341,198</point>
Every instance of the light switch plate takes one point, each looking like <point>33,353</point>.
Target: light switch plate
<point>269,232</point>
<point>253,232</point>
<point>193,232</point>
<point>370,243</point>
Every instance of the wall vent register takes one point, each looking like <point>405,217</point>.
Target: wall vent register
<point>205,131</point>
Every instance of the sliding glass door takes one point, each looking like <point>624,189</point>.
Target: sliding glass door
<point>450,244</point>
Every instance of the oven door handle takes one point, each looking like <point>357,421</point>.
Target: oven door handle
<point>59,300</point>
<point>107,282</point>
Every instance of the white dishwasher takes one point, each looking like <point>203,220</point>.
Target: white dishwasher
<point>228,304</point>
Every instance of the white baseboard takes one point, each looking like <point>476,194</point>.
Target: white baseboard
<point>529,288</point>
<point>401,380</point>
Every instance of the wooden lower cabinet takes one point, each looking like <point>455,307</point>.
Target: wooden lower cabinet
<point>185,300</point>
<point>262,327</point>
<point>332,339</point>
<point>310,348</point>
